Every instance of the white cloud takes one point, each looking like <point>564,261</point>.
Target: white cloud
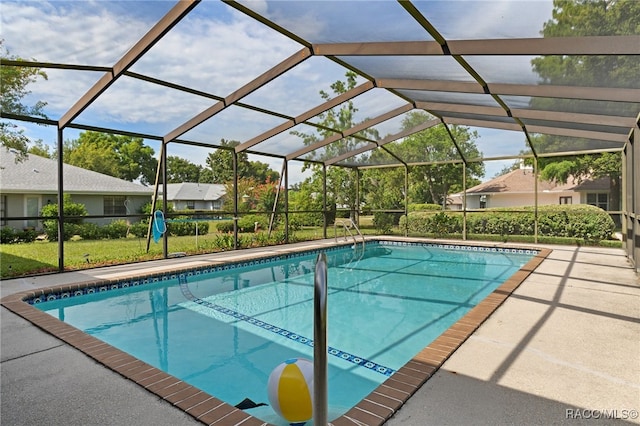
<point>68,32</point>
<point>212,53</point>
<point>473,19</point>
<point>214,49</point>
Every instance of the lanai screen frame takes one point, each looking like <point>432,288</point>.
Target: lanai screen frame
<point>444,114</point>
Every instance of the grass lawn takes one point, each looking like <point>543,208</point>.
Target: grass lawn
<point>42,256</point>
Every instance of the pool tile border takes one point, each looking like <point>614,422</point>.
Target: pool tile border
<point>307,341</point>
<point>375,409</point>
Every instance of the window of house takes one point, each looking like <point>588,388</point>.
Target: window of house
<point>217,204</point>
<point>114,204</point>
<point>3,210</point>
<point>599,200</point>
<point>191,205</point>
<point>566,200</point>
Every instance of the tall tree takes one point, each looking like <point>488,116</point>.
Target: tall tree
<point>40,148</point>
<point>181,170</point>
<point>220,166</point>
<point>13,88</point>
<point>587,18</point>
<point>508,169</point>
<point>432,183</point>
<point>341,182</point>
<point>383,189</point>
<point>120,156</point>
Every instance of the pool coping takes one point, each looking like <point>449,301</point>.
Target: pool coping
<point>375,409</point>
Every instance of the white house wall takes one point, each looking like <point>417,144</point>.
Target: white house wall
<point>95,206</point>
<point>198,205</point>
<point>16,206</point>
<point>515,200</point>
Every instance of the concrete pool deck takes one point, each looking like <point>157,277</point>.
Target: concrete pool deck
<point>563,347</point>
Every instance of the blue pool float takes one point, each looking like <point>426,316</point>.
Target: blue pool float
<point>159,225</point>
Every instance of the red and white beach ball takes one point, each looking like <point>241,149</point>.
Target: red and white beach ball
<point>290,390</point>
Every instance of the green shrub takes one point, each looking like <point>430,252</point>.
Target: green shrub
<point>14,236</point>
<point>295,222</point>
<point>114,230</point>
<point>180,228</point>
<point>383,222</point>
<point>503,223</point>
<point>139,229</point>
<point>70,227</point>
<point>51,230</point>
<point>7,235</point>
<point>279,237</point>
<point>444,224</point>
<point>90,231</point>
<point>224,241</point>
<point>311,219</point>
<point>424,207</point>
<point>584,222</point>
<point>224,226</point>
<point>26,236</point>
<point>428,223</point>
<point>69,208</point>
<point>247,223</point>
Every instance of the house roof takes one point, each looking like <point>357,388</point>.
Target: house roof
<point>40,175</point>
<point>522,181</point>
<point>194,191</point>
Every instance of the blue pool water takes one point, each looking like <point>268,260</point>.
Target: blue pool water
<point>225,330</point>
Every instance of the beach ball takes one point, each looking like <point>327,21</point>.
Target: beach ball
<point>290,390</point>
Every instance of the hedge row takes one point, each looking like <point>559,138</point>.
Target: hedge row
<point>120,229</point>
<point>176,227</point>
<point>576,221</point>
<point>14,236</point>
<point>87,231</point>
<point>247,223</point>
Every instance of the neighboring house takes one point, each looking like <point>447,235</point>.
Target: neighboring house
<point>26,186</point>
<point>195,196</point>
<point>517,188</point>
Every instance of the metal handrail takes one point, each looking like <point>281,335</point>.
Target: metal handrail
<point>347,227</point>
<point>358,230</point>
<point>320,399</point>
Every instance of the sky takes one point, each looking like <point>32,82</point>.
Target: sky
<point>217,49</point>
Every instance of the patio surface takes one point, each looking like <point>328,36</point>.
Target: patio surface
<point>564,348</point>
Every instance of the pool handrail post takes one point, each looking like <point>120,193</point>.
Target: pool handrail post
<point>320,400</point>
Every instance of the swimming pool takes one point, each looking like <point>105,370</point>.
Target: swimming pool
<point>213,322</point>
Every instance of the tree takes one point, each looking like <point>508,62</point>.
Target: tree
<point>40,148</point>
<point>341,188</point>
<point>580,18</point>
<point>383,189</point>
<point>432,183</point>
<point>247,195</point>
<point>263,173</point>
<point>124,157</point>
<point>508,169</point>
<point>180,170</point>
<point>12,90</point>
<point>220,166</point>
